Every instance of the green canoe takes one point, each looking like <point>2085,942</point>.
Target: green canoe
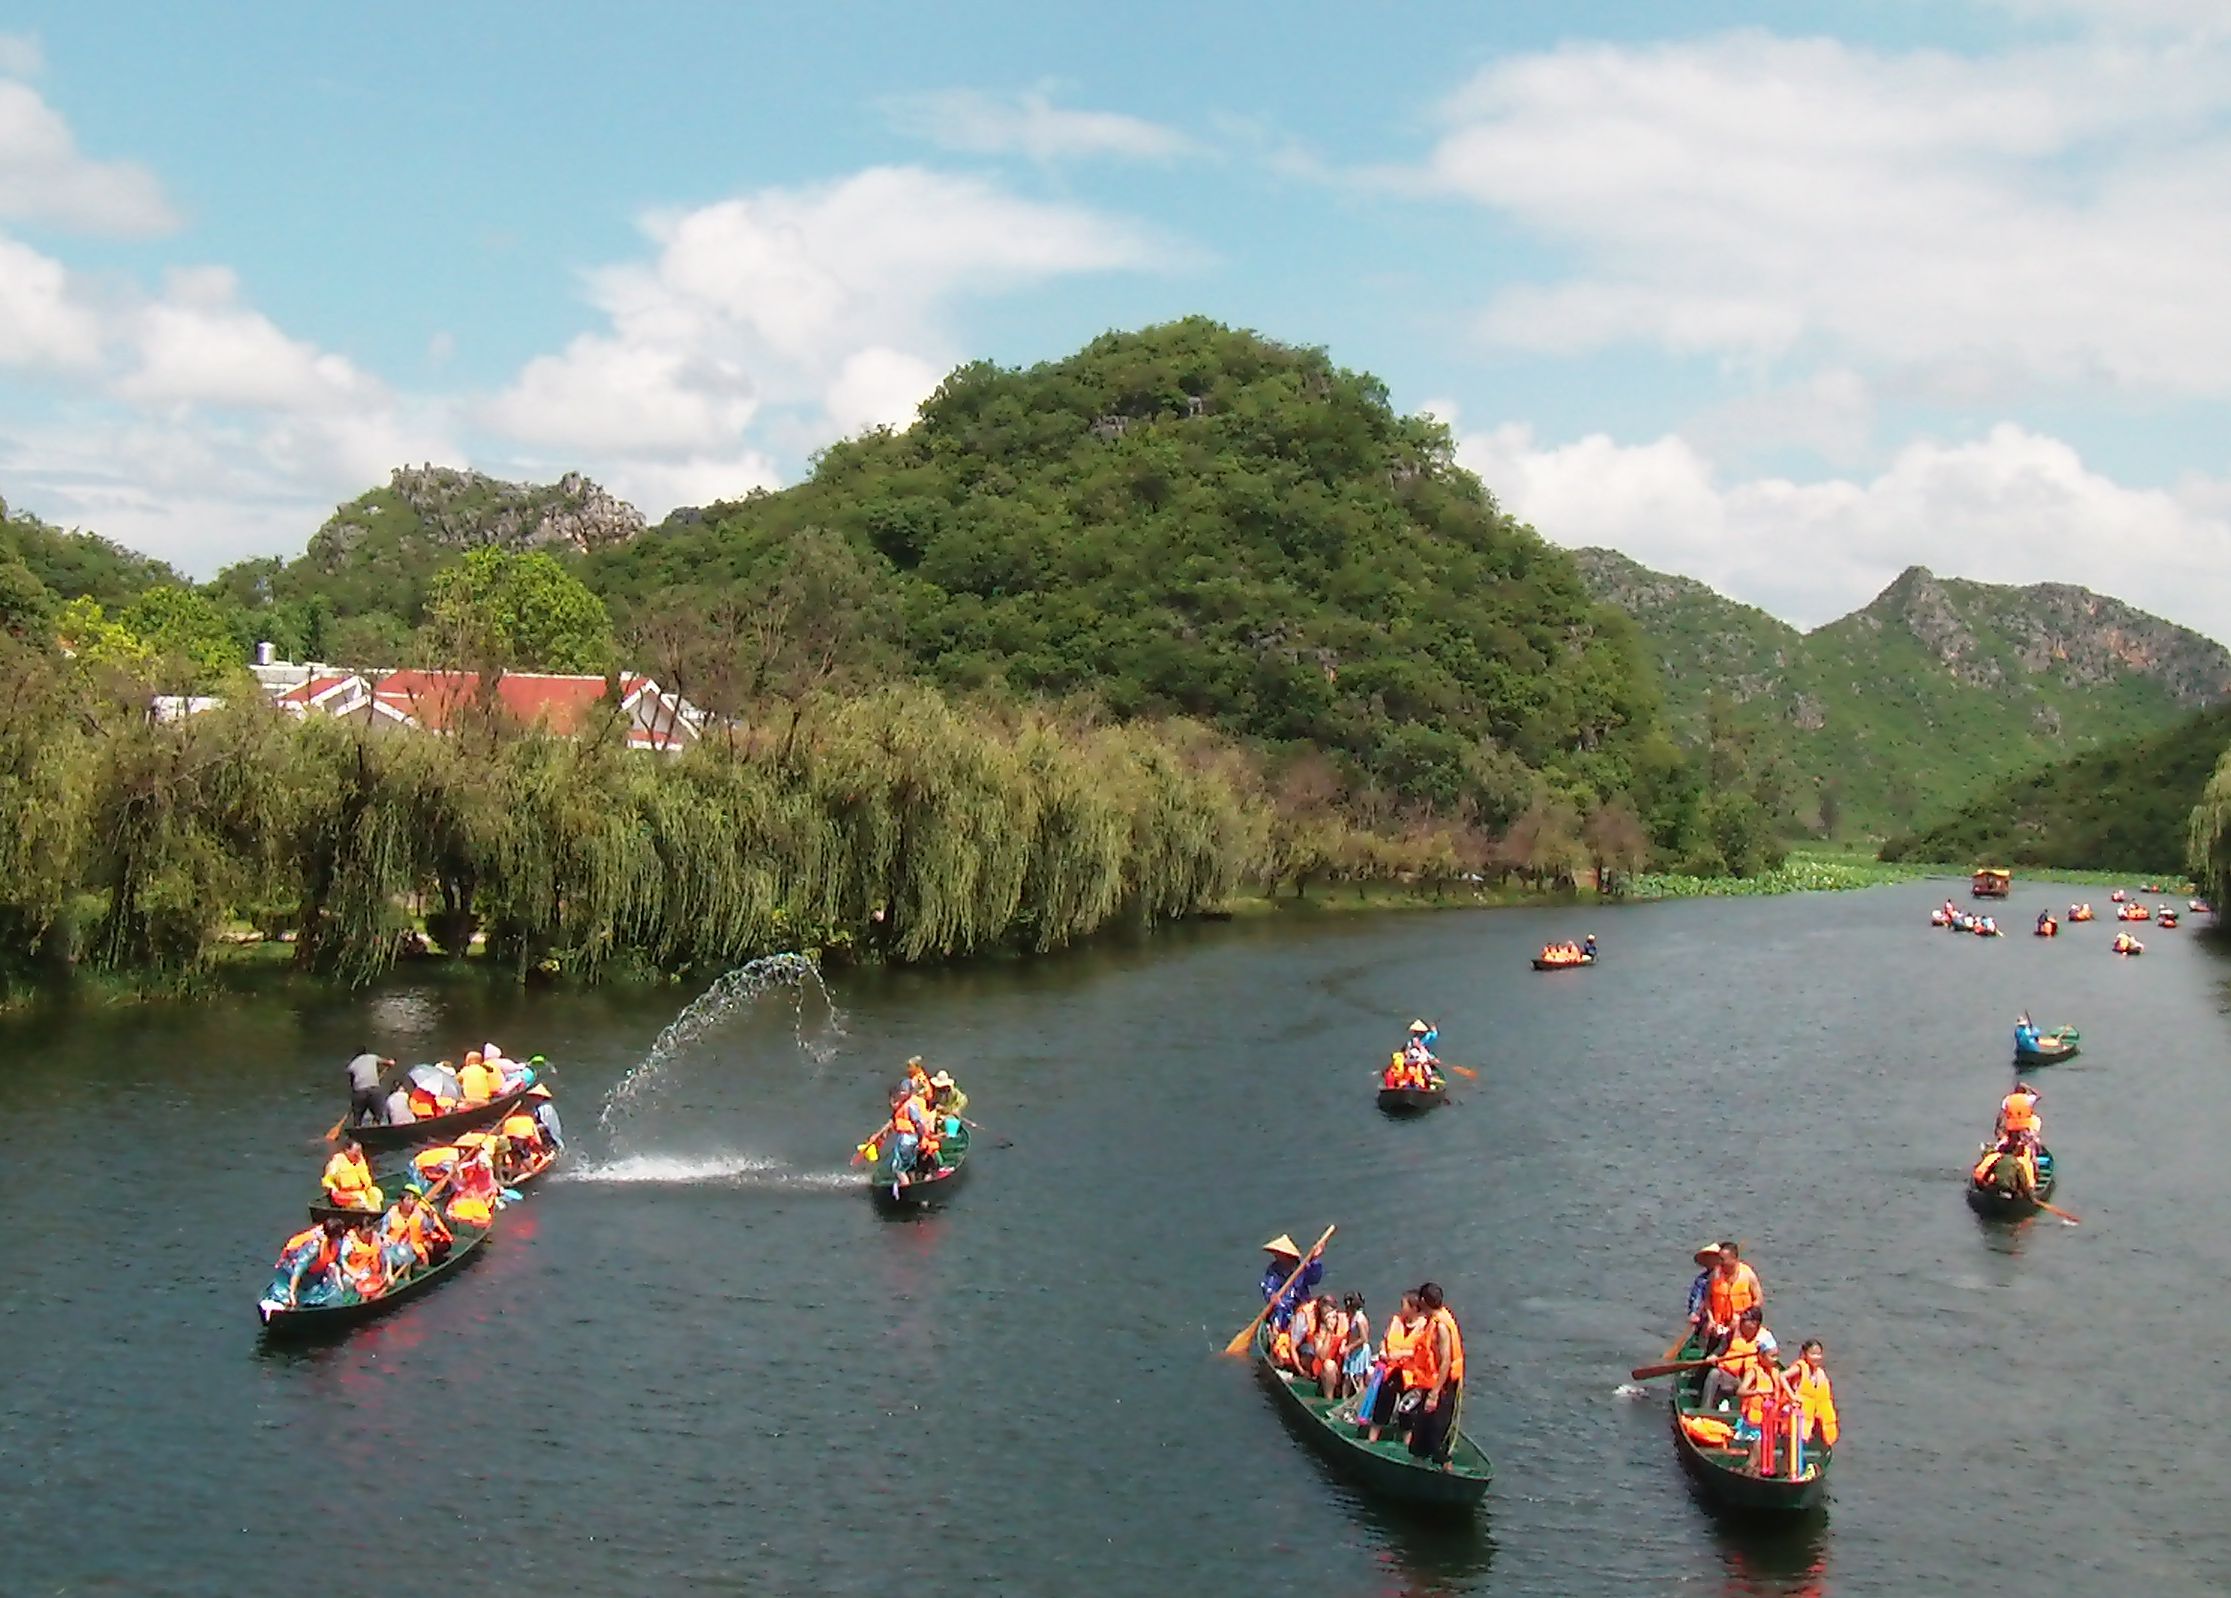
<point>1384,1469</point>
<point>923,1191</point>
<point>1988,1198</point>
<point>1727,1476</point>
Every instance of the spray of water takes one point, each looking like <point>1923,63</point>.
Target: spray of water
<point>737,990</point>
<point>719,1170</point>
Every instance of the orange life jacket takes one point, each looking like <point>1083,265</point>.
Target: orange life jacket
<point>2019,1112</point>
<point>1399,1341</point>
<point>1726,1297</point>
<point>1398,1071</point>
<point>360,1263</point>
<point>1741,1356</point>
<point>1424,1368</point>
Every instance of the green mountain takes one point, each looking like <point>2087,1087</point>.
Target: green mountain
<point>2125,805</point>
<point>1907,708</point>
<point>1188,519</point>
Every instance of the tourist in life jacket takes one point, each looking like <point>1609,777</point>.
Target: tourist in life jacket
<point>475,1197</point>
<point>2018,1114</point>
<point>1725,1379</point>
<point>2010,1165</point>
<point>522,1145</point>
<point>1397,1073</point>
<point>1351,1360</point>
<point>1302,1331</point>
<point>348,1180</point>
<point>1436,1372</point>
<point>417,1226</point>
<point>1382,1404</point>
<point>480,1083</point>
<point>433,1165</point>
<point>1816,1396</point>
<point>1732,1288</point>
<point>1421,1069</point>
<point>1767,1408</point>
<point>1285,1260</point>
<point>307,1258</point>
<point>363,1261</point>
<point>917,1080</point>
<point>910,1124</point>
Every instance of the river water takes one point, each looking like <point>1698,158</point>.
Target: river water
<point>697,1361</point>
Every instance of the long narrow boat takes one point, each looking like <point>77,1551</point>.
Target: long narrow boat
<point>923,1191</point>
<point>1986,1198</point>
<point>2051,1049</point>
<point>1413,1101</point>
<point>1729,1476</point>
<point>325,1210</point>
<point>1385,1469</point>
<point>316,1320</point>
<point>1563,965</point>
<point>437,1128</point>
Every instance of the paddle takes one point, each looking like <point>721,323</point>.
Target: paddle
<point>860,1149</point>
<point>1238,1345</point>
<point>1005,1142</point>
<point>1644,1373</point>
<point>1460,1070</point>
<point>2054,1209</point>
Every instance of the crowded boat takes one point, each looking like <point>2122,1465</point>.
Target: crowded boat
<point>1760,1427</point>
<point>2126,944</point>
<point>1414,1067</point>
<point>2080,912</point>
<point>925,1140</point>
<point>1568,953</point>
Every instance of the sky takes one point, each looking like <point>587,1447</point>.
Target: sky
<point>1785,297</point>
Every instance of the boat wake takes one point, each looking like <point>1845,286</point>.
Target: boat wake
<point>719,1170</point>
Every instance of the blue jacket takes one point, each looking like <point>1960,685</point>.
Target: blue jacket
<point>1274,1276</point>
<point>2025,1037</point>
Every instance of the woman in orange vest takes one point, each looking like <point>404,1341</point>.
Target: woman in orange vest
<point>1436,1372</point>
<point>363,1262</point>
<point>2018,1113</point>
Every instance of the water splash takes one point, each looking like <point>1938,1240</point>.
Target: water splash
<point>736,991</point>
<point>724,1170</point>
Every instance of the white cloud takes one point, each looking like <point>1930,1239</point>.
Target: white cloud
<point>773,322</point>
<point>200,345</point>
<point>1029,124</point>
<point>2010,506</point>
<point>44,322</point>
<point>1972,225</point>
<point>20,55</point>
<point>45,177</point>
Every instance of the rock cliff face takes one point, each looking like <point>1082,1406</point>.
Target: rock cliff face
<point>455,510</point>
<point>1909,705</point>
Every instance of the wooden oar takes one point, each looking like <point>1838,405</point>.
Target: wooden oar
<point>859,1149</point>
<point>1460,1070</point>
<point>1005,1142</point>
<point>2054,1209</point>
<point>1681,1342</point>
<point>1238,1345</point>
<point>1644,1373</point>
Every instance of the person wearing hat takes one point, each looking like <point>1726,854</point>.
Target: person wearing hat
<point>1420,1068</point>
<point>1588,947</point>
<point>546,1115</point>
<point>1285,1259</point>
<point>946,1098</point>
<point>1707,1256</point>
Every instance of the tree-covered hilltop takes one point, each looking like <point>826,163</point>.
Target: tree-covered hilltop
<point>2125,805</point>
<point>1192,519</point>
<point>1934,691</point>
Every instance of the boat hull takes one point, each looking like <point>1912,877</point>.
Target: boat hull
<point>1987,1200</point>
<point>1724,1476</point>
<point>2027,1058</point>
<point>920,1195</point>
<point>436,1128</point>
<point>1580,964</point>
<point>325,1320</point>
<point>1412,1101</point>
<point>1385,1470</point>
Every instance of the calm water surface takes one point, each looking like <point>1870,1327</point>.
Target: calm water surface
<point>697,1361</point>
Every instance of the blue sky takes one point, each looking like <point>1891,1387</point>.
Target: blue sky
<point>1785,297</point>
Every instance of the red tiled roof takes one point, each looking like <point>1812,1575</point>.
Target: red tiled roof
<point>563,704</point>
<point>309,693</point>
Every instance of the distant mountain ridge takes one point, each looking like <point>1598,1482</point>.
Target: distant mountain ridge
<point>1896,714</point>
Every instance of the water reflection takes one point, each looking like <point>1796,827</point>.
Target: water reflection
<point>1786,1559</point>
<point>1424,1555</point>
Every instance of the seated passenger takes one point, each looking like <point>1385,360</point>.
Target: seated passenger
<point>1744,1344</point>
<point>363,1262</point>
<point>306,1261</point>
<point>348,1180</point>
<point>480,1083</point>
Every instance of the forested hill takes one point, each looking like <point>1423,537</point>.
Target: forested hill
<point>2125,805</point>
<point>1189,519</point>
<point>1906,709</point>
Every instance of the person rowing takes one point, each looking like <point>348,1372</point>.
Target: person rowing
<point>545,1112</point>
<point>2026,1036</point>
<point>2018,1114</point>
<point>1285,1261</point>
<point>366,1105</point>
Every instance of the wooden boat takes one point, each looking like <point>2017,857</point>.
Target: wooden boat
<point>1384,1469</point>
<point>2048,929</point>
<point>1991,882</point>
<point>2052,1048</point>
<point>316,1320</point>
<point>437,1128</point>
<point>324,1209</point>
<point>1413,1101</point>
<point>1727,1476</point>
<point>2167,918</point>
<point>922,1192</point>
<point>1986,1199</point>
<point>1541,964</point>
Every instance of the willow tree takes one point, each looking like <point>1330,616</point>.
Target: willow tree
<point>2208,837</point>
<point>46,768</point>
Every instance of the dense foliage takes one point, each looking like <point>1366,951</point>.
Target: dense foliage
<point>2208,834</point>
<point>2126,806</point>
<point>1192,520</point>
